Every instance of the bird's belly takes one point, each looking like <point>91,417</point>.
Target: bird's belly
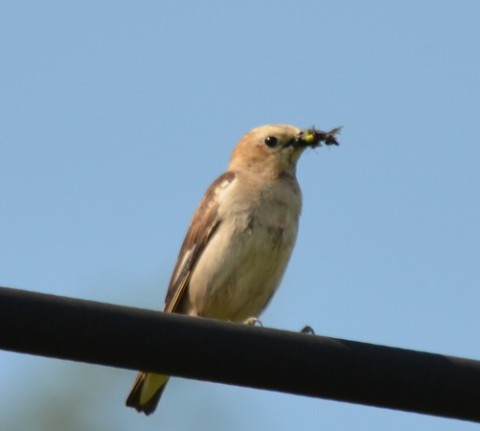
<point>240,270</point>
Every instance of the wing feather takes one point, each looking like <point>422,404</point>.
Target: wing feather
<point>202,227</point>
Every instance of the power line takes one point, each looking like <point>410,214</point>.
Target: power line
<point>205,349</point>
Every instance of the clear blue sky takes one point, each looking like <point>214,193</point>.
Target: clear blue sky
<point>115,117</point>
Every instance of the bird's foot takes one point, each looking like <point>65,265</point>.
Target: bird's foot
<point>253,321</point>
<point>307,330</point>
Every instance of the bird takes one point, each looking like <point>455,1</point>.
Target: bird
<point>240,238</point>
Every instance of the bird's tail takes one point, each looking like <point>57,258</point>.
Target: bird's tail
<point>146,392</point>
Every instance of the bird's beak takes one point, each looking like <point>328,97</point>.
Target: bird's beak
<point>314,138</point>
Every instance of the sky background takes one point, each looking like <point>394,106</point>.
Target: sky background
<point>115,116</point>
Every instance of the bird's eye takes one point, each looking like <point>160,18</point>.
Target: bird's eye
<point>271,141</point>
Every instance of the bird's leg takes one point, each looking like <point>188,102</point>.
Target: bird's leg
<point>253,321</point>
<point>307,330</point>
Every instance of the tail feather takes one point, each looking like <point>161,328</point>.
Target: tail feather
<point>146,392</point>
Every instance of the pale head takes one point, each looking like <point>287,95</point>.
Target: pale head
<point>270,149</point>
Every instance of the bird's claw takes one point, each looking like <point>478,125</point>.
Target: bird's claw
<point>253,321</point>
<point>307,330</point>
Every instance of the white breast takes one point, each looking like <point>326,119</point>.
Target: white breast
<point>246,258</point>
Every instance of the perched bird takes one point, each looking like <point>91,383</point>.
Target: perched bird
<point>240,238</point>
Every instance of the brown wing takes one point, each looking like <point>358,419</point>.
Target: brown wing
<point>204,224</point>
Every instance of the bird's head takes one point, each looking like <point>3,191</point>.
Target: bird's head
<point>275,149</point>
